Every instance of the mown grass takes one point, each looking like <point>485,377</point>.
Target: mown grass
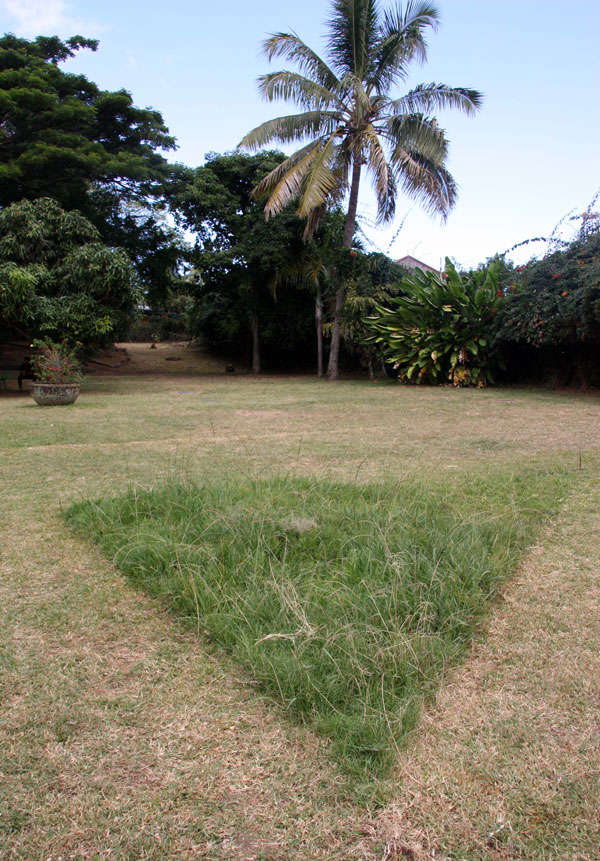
<point>122,736</point>
<point>344,603</point>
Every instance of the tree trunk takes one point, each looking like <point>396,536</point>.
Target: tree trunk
<point>319,325</point>
<point>255,342</point>
<point>333,371</point>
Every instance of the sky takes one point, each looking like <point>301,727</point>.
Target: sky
<point>525,161</point>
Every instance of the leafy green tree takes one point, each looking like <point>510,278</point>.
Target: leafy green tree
<point>440,329</point>
<point>352,121</point>
<point>63,137</point>
<point>60,134</point>
<point>237,253</point>
<point>58,280</point>
<point>156,249</point>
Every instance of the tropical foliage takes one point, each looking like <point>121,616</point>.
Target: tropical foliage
<point>351,119</point>
<point>555,300</point>
<point>440,329</point>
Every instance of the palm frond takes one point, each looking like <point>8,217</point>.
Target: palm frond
<point>292,86</point>
<point>307,269</point>
<point>429,97</point>
<point>402,41</point>
<point>353,28</point>
<point>383,176</point>
<point>321,180</point>
<point>291,128</point>
<point>416,132</point>
<point>292,48</point>
<point>340,166</point>
<point>313,220</point>
<point>357,95</point>
<point>282,185</point>
<point>424,181</point>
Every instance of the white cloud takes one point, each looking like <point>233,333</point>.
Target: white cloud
<point>44,17</point>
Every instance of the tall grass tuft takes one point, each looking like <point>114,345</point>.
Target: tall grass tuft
<point>345,603</point>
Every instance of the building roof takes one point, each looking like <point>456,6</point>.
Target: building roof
<point>412,263</point>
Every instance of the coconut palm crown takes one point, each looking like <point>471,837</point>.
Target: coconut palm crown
<point>350,119</point>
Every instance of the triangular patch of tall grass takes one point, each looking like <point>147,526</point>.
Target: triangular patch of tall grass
<point>345,603</point>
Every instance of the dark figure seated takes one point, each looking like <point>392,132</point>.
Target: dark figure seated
<point>26,371</point>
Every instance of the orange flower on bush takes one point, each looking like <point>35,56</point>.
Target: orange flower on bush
<point>564,293</point>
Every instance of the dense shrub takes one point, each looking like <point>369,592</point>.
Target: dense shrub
<point>439,330</point>
<point>548,324</point>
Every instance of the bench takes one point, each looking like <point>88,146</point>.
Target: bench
<point>6,372</point>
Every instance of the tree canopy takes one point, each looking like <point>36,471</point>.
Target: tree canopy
<point>238,253</point>
<point>60,133</point>
<point>58,280</point>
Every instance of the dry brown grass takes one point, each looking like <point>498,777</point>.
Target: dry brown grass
<point>507,765</point>
<point>124,738</point>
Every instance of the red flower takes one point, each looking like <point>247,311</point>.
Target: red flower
<point>353,254</point>
<point>557,275</point>
<point>500,293</point>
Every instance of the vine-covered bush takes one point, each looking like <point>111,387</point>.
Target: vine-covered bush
<point>555,300</point>
<point>439,330</point>
<point>549,322</point>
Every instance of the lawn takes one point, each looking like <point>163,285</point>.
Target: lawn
<point>129,735</point>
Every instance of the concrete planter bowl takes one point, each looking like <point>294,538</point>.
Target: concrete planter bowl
<point>54,394</point>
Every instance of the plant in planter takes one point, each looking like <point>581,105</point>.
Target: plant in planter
<point>58,373</point>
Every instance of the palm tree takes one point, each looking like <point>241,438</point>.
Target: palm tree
<point>352,121</point>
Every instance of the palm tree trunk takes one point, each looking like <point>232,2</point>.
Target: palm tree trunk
<point>350,224</point>
<point>333,371</point>
<point>319,325</point>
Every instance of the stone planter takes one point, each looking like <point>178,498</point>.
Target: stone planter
<point>54,394</point>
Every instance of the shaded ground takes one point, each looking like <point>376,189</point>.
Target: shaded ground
<point>123,737</point>
<point>166,357</point>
